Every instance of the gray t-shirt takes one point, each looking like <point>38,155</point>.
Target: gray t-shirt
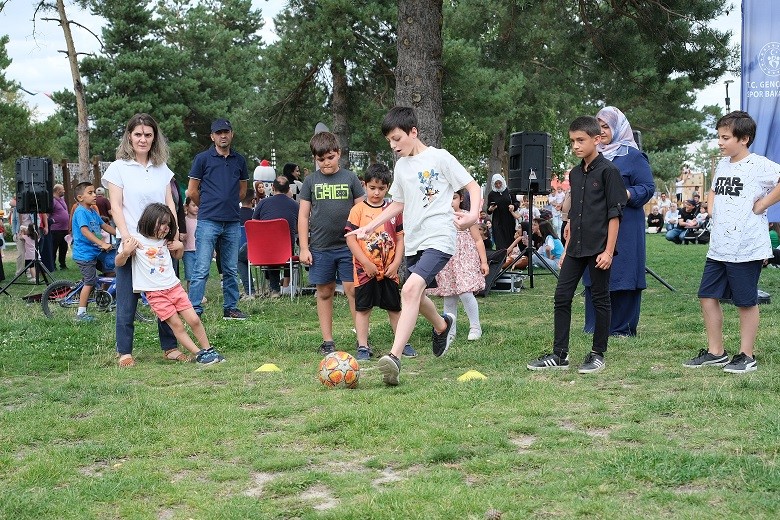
<point>331,197</point>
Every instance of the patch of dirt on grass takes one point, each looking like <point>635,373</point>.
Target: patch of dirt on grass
<point>596,433</point>
<point>165,514</point>
<point>690,489</point>
<point>99,467</point>
<point>259,480</point>
<point>386,476</point>
<point>523,442</point>
<point>389,475</point>
<point>322,497</point>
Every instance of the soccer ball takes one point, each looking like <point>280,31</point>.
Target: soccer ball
<point>339,369</point>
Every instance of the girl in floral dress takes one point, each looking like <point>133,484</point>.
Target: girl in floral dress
<point>464,274</point>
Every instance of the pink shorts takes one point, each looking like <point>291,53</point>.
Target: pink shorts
<point>167,302</point>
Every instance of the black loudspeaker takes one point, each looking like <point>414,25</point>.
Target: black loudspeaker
<point>530,163</point>
<point>638,138</point>
<point>34,185</point>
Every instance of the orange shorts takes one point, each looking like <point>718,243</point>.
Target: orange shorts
<point>167,302</point>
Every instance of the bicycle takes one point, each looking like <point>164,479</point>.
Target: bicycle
<point>61,298</point>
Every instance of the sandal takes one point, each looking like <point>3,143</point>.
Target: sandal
<point>127,362</point>
<point>179,356</point>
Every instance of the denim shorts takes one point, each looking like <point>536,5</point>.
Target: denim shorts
<point>737,281</point>
<point>325,264</point>
<point>427,265</point>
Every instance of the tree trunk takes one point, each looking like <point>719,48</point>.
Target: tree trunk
<point>340,107</point>
<point>418,71</point>
<point>498,157</point>
<point>81,102</point>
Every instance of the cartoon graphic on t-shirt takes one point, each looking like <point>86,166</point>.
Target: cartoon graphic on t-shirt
<point>426,179</point>
<point>156,258</point>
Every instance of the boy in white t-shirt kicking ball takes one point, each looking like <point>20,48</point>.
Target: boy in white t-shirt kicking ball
<point>744,186</point>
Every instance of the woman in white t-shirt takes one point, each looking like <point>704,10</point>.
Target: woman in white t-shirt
<point>138,177</point>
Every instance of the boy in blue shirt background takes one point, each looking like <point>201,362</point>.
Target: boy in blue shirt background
<point>89,248</point>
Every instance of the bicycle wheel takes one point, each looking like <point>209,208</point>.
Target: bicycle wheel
<point>59,299</point>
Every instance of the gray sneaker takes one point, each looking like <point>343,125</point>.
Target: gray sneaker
<point>327,347</point>
<point>390,368</point>
<point>741,364</point>
<point>706,359</point>
<point>593,363</point>
<point>441,341</point>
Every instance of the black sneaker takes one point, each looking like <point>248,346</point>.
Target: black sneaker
<point>549,361</point>
<point>741,364</point>
<point>441,342</point>
<point>327,347</point>
<point>233,314</point>
<point>391,368</point>
<point>593,363</point>
<point>706,359</point>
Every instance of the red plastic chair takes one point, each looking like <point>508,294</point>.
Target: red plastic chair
<point>268,246</point>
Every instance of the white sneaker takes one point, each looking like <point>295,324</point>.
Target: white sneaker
<point>475,334</point>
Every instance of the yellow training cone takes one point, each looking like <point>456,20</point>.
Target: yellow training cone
<point>471,375</point>
<point>268,367</point>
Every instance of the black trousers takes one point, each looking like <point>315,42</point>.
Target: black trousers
<point>60,247</point>
<point>569,277</point>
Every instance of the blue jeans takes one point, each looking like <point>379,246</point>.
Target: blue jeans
<point>209,234</point>
<point>126,303</point>
<point>189,264</point>
<point>675,235</point>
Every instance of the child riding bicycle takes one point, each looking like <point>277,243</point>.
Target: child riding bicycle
<point>90,251</point>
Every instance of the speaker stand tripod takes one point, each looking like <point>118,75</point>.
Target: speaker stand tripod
<point>530,250</point>
<point>40,270</point>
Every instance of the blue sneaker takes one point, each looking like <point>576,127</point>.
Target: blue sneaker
<point>209,357</point>
<point>84,317</point>
<point>363,354</point>
<point>409,351</point>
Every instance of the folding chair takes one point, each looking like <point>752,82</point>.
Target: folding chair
<point>268,246</point>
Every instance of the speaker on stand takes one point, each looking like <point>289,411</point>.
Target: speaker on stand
<point>34,192</point>
<point>530,173</point>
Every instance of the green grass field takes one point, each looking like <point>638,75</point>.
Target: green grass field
<point>645,438</point>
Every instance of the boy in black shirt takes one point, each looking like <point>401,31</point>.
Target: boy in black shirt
<point>597,200</point>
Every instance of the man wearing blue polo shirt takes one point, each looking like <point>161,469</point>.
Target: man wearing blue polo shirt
<point>218,180</point>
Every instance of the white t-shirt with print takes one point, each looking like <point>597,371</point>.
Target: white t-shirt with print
<point>737,234</point>
<point>152,265</point>
<point>141,185</point>
<point>425,183</point>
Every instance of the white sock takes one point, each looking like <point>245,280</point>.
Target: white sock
<point>82,310</point>
<point>471,307</point>
<point>451,307</point>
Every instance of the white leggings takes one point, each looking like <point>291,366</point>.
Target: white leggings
<point>469,305</point>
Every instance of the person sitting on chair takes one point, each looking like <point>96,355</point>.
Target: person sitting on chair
<point>655,221</point>
<point>279,205</point>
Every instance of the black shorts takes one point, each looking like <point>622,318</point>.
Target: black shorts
<point>383,293</point>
